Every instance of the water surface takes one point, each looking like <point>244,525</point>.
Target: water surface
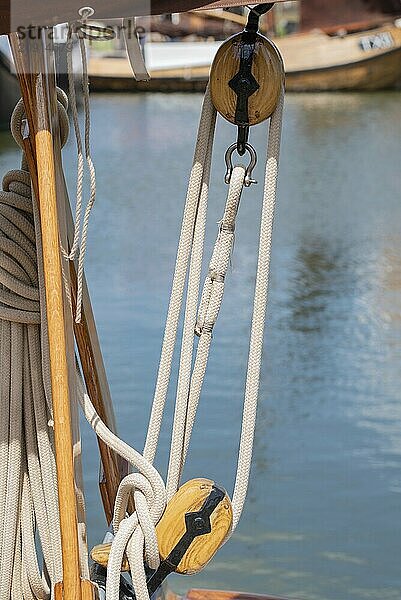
<point>323,518</point>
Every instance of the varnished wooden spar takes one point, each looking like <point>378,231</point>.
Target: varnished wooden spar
<point>58,361</point>
<point>42,139</point>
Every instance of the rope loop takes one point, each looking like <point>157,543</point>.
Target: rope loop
<point>19,292</point>
<point>143,494</point>
<point>135,534</point>
<point>79,243</point>
<point>18,124</point>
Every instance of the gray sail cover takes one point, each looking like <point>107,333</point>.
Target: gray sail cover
<point>16,14</point>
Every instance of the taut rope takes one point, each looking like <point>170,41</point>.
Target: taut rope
<point>78,247</point>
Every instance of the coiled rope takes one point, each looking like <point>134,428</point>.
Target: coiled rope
<point>28,481</point>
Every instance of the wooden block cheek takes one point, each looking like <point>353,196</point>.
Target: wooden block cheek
<point>190,498</point>
<point>267,68</point>
<point>204,547</point>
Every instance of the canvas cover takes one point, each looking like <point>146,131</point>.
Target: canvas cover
<point>22,13</point>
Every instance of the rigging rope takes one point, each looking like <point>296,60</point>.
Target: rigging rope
<point>136,532</point>
<point>81,229</point>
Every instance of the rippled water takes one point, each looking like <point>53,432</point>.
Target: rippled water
<point>323,518</point>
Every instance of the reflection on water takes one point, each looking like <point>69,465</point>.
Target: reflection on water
<point>323,516</point>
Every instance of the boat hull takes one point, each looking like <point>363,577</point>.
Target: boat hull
<point>376,73</point>
<point>314,62</point>
<point>367,60</point>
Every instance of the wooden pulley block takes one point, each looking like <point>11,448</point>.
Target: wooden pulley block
<point>196,523</point>
<point>267,71</point>
<point>100,554</point>
<point>199,508</point>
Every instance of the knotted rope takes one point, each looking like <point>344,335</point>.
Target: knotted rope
<point>135,534</point>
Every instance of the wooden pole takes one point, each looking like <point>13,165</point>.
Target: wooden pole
<point>58,364</point>
<point>47,197</point>
<point>43,153</point>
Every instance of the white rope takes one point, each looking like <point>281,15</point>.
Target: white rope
<point>136,533</point>
<point>198,184</point>
<point>259,314</point>
<point>187,399</point>
<point>191,374</point>
<point>80,236</point>
<point>28,486</point>
<point>184,372</point>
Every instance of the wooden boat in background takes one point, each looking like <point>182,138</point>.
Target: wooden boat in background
<point>351,46</point>
<point>366,60</point>
<point>317,61</point>
<point>345,45</point>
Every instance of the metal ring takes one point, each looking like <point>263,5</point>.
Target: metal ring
<point>86,11</point>
<point>249,170</point>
